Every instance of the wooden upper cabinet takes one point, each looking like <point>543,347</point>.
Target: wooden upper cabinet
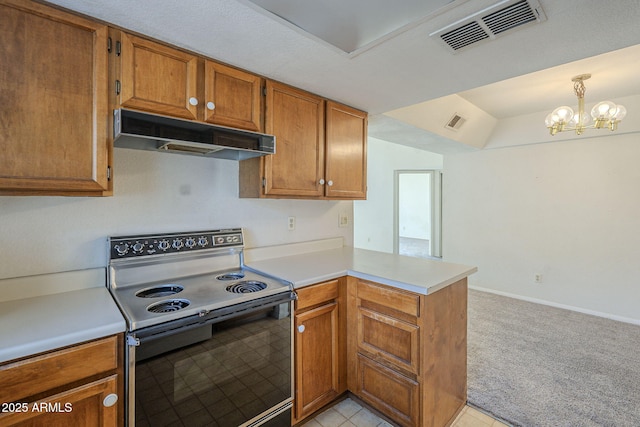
<point>232,97</point>
<point>54,96</point>
<point>157,78</point>
<point>164,80</point>
<point>321,149</point>
<point>346,152</point>
<point>296,118</point>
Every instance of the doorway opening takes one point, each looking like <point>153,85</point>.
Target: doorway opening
<point>418,213</point>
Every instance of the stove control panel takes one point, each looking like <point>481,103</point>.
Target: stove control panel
<point>158,244</point>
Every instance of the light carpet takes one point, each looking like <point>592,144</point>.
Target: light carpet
<point>534,365</point>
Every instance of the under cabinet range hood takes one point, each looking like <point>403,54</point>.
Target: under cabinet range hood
<point>145,131</point>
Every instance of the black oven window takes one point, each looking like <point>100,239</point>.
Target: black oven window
<point>242,370</point>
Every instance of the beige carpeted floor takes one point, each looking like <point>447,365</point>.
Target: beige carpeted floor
<point>534,365</point>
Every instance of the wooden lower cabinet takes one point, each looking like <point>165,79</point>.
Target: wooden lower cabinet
<point>320,374</point>
<point>403,353</point>
<point>75,386</point>
<point>408,355</point>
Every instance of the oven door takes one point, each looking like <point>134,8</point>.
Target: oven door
<point>232,369</point>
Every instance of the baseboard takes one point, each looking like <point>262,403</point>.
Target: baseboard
<point>557,305</point>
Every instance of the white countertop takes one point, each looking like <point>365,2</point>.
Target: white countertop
<point>418,275</point>
<point>32,325</point>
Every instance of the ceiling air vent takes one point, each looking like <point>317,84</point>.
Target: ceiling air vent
<point>455,122</point>
<point>490,23</point>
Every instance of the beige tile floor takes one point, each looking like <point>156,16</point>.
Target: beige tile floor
<point>349,413</point>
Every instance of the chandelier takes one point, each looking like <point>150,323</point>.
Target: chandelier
<point>605,114</point>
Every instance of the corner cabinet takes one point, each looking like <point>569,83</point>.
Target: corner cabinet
<point>320,149</point>
<point>407,357</point>
<point>53,82</point>
<point>157,78</point>
<point>78,385</point>
<point>320,346</point>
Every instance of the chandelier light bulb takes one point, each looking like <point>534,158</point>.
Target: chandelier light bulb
<point>564,114</point>
<point>580,119</point>
<point>603,110</point>
<point>620,113</point>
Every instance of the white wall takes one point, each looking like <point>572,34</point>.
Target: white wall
<point>373,218</point>
<point>154,192</point>
<point>569,210</point>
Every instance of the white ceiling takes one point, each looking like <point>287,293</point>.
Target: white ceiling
<point>408,67</point>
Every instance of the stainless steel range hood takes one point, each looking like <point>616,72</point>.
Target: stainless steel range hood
<point>145,131</point>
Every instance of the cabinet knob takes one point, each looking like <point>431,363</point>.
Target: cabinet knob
<point>321,181</point>
<point>193,101</point>
<point>301,328</point>
<point>211,105</point>
<point>110,400</point>
<point>330,183</point>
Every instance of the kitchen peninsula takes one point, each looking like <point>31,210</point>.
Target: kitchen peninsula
<point>390,329</point>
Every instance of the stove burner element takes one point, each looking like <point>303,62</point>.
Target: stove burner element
<point>168,306</point>
<point>246,287</point>
<point>231,276</point>
<point>159,291</point>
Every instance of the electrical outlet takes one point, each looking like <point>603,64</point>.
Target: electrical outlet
<point>537,278</point>
<point>292,223</point>
<point>343,220</point>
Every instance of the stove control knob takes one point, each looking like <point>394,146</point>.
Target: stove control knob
<point>121,249</point>
<point>137,247</point>
<point>219,240</point>
<point>190,242</point>
<point>203,241</point>
<point>236,239</point>
<point>177,244</point>
<point>163,245</point>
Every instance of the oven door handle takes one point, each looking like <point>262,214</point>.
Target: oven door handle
<point>162,330</point>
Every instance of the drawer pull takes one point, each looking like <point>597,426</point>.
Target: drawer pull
<point>110,400</point>
<point>301,328</point>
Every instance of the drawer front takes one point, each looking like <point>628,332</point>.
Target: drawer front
<point>389,340</point>
<point>396,303</point>
<point>389,392</point>
<point>317,294</point>
<point>42,373</point>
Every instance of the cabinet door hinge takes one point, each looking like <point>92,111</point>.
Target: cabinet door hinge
<point>109,44</point>
<point>118,48</point>
<point>117,87</point>
<point>108,173</point>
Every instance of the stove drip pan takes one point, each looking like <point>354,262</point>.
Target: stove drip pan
<point>246,286</point>
<point>159,291</point>
<point>168,306</point>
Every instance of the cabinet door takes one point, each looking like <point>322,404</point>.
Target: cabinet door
<point>157,78</point>
<point>296,118</point>
<point>346,152</point>
<point>317,358</point>
<point>53,92</point>
<point>388,391</point>
<point>232,97</point>
<point>80,406</point>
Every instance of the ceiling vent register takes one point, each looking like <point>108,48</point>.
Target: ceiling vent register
<point>490,23</point>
